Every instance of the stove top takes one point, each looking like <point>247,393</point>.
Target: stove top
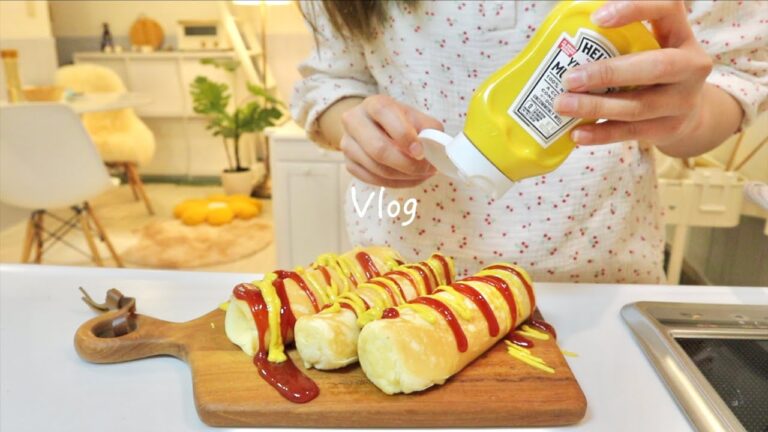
<point>713,358</point>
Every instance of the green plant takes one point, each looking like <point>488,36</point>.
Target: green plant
<point>258,111</point>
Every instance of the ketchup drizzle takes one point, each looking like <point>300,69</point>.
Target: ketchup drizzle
<point>519,340</point>
<point>450,319</point>
<point>482,304</point>
<point>423,274</point>
<point>326,275</point>
<point>431,272</point>
<point>403,275</point>
<point>446,268</point>
<point>390,313</point>
<point>286,378</point>
<point>349,307</point>
<point>255,300</point>
<point>387,289</point>
<point>279,285</point>
<point>367,264</point>
<point>503,289</point>
<point>543,326</point>
<point>394,281</point>
<point>528,287</point>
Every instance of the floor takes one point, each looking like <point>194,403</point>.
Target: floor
<point>120,215</point>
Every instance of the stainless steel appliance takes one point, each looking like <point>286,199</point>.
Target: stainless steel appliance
<point>712,357</point>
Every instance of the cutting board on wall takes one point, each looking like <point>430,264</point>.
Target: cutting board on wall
<point>494,390</point>
<point>146,31</point>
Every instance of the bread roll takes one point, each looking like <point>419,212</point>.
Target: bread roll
<point>428,340</point>
<point>256,309</point>
<point>328,340</point>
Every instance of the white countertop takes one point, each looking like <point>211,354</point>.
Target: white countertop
<point>44,384</point>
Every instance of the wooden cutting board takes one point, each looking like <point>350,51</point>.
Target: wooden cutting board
<point>495,390</point>
<point>146,31</point>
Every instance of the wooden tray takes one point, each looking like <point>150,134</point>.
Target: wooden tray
<point>495,390</point>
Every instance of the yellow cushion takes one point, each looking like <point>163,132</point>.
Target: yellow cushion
<point>217,209</point>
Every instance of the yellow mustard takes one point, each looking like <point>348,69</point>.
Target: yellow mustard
<point>512,131</point>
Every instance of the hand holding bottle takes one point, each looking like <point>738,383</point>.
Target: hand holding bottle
<point>380,142</point>
<point>671,91</point>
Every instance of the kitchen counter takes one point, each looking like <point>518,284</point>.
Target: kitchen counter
<point>44,384</point>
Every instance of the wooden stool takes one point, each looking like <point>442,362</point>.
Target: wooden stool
<point>137,186</point>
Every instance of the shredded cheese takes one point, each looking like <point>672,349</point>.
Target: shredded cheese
<point>527,359</point>
<point>533,333</point>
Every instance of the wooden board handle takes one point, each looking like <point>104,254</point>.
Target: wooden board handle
<point>121,334</point>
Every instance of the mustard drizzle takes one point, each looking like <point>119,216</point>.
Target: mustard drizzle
<point>455,301</point>
<point>382,300</point>
<point>335,265</point>
<point>321,293</point>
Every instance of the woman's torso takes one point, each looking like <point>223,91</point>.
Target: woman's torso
<point>596,218</point>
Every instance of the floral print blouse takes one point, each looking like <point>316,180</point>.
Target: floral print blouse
<point>596,218</point>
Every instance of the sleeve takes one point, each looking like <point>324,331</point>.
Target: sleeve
<point>336,69</point>
<point>735,35</point>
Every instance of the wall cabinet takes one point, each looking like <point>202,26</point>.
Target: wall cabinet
<point>308,193</point>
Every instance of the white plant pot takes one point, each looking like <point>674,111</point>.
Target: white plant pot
<point>237,183</point>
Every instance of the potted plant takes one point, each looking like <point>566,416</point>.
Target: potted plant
<point>256,112</point>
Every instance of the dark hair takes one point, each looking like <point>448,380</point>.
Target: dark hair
<point>356,18</point>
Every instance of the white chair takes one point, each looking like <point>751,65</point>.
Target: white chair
<point>47,161</point>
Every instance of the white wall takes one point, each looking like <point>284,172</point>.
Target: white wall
<point>21,19</point>
<point>84,18</point>
<point>25,26</point>
<point>78,20</point>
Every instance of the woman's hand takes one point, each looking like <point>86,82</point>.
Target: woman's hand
<point>380,142</point>
<point>668,104</point>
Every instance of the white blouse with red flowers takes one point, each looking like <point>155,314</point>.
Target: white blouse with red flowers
<point>595,219</point>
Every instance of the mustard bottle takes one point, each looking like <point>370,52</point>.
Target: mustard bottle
<point>512,131</point>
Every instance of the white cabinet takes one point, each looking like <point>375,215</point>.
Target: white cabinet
<point>308,191</point>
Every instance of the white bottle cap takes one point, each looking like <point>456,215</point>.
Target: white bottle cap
<point>459,159</point>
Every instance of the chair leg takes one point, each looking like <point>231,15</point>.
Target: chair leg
<point>103,234</point>
<point>29,238</point>
<point>139,185</point>
<point>89,237</point>
<point>130,179</point>
<point>38,237</point>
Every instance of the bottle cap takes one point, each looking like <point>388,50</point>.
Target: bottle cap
<point>458,158</point>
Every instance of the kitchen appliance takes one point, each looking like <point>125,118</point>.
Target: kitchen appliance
<point>712,357</point>
<point>201,35</point>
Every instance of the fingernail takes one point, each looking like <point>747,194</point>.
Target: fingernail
<point>580,136</point>
<point>574,79</point>
<point>416,150</point>
<point>604,15</point>
<point>565,104</point>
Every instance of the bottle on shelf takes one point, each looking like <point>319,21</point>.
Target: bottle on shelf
<point>12,81</point>
<point>107,43</point>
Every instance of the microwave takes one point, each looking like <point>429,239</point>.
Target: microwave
<point>201,35</point>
